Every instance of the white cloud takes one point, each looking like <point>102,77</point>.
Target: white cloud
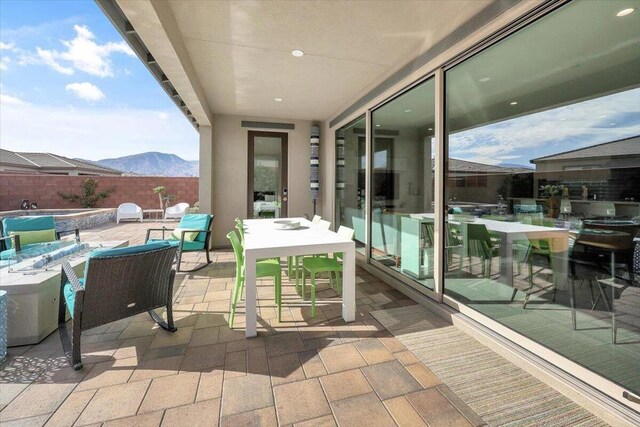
<point>93,133</point>
<point>4,63</point>
<point>83,54</point>
<point>163,116</point>
<point>8,100</point>
<point>86,91</point>
<point>7,46</point>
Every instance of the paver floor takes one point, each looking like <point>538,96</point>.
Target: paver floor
<point>298,371</point>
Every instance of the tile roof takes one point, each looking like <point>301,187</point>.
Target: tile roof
<point>622,147</point>
<point>48,160</point>
<point>458,165</point>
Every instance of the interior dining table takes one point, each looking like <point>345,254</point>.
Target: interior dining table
<point>263,238</point>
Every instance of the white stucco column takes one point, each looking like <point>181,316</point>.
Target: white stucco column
<point>206,170</point>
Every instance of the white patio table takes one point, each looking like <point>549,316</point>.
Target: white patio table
<point>263,240</point>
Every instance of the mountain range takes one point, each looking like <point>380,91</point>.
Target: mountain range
<point>153,164</point>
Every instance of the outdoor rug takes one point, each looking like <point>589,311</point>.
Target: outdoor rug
<point>496,389</point>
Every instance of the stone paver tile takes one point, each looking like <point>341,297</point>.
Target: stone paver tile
<point>367,409</point>
<point>108,373</point>
<point>280,344</point>
<point>164,352</point>
<point>139,329</point>
<point>424,375</point>
<point>285,369</point>
<point>345,384</point>
<point>204,336</point>
<point>403,413</point>
<point>151,419</point>
<point>203,358</point>
<point>312,364</point>
<point>27,422</point>
<point>10,391</point>
<point>392,344</point>
<point>265,417</point>
<point>300,401</point>
<point>257,361</point>
<point>373,351</point>
<point>469,414</point>
<point>133,347</point>
<point>235,364</point>
<point>208,320</point>
<point>436,409</point>
<point>36,399</point>
<point>246,393</point>
<point>116,401</point>
<point>166,339</point>
<point>171,391</point>
<point>391,379</point>
<point>246,344</point>
<point>218,296</point>
<point>341,358</point>
<point>228,335</point>
<point>406,357</point>
<point>326,421</point>
<point>201,414</point>
<point>70,410</point>
<point>210,386</point>
<point>156,368</point>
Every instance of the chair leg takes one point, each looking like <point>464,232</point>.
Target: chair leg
<point>278,281</point>
<point>71,348</point>
<point>304,282</point>
<point>297,273</point>
<point>313,295</point>
<point>289,269</point>
<point>168,325</point>
<point>339,282</point>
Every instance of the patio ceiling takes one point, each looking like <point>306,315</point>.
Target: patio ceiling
<point>235,57</point>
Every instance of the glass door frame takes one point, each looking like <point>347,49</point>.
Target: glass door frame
<point>284,169</point>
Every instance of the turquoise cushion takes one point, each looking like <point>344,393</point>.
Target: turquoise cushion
<point>127,250</point>
<point>186,246</point>
<point>26,223</point>
<point>196,222</point>
<point>70,295</point>
<point>30,251</point>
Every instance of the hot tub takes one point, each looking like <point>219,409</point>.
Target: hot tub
<point>69,219</point>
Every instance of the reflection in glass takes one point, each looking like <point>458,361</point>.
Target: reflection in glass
<point>267,183</point>
<point>543,185</point>
<point>402,234</point>
<point>350,179</point>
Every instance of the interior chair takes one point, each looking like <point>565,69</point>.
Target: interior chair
<point>117,283</point>
<point>128,211</point>
<point>192,234</point>
<point>480,245</point>
<point>30,234</point>
<point>320,264</point>
<point>176,211</point>
<point>264,268</point>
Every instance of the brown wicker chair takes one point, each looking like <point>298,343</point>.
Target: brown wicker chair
<point>118,283</point>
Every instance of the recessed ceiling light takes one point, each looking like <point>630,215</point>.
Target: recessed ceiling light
<point>377,126</point>
<point>297,53</point>
<point>484,79</point>
<point>277,99</point>
<point>513,103</point>
<point>408,111</point>
<point>625,12</point>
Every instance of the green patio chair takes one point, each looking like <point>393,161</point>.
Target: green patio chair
<point>28,234</point>
<point>264,268</point>
<point>117,283</point>
<point>192,234</point>
<point>319,264</point>
<point>480,245</point>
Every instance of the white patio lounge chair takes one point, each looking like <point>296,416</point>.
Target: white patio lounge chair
<point>129,211</point>
<point>176,211</point>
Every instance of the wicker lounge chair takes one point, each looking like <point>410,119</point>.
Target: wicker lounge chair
<point>192,234</point>
<point>117,283</point>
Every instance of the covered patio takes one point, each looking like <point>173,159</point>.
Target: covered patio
<point>300,371</point>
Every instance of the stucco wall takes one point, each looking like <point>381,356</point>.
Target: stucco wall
<point>137,189</point>
<point>230,170</point>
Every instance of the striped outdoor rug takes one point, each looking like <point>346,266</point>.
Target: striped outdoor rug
<point>496,389</point>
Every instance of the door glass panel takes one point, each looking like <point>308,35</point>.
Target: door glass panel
<point>543,184</point>
<point>351,164</point>
<point>267,182</point>
<point>402,220</point>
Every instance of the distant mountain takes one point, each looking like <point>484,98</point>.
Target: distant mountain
<point>153,164</point>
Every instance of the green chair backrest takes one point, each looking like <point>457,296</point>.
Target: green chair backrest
<point>237,250</point>
<point>26,223</point>
<point>240,228</point>
<point>479,240</point>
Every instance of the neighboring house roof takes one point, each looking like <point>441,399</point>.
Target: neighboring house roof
<point>457,165</point>
<point>39,161</point>
<point>620,148</point>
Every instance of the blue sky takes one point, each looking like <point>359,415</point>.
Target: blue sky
<point>70,85</point>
